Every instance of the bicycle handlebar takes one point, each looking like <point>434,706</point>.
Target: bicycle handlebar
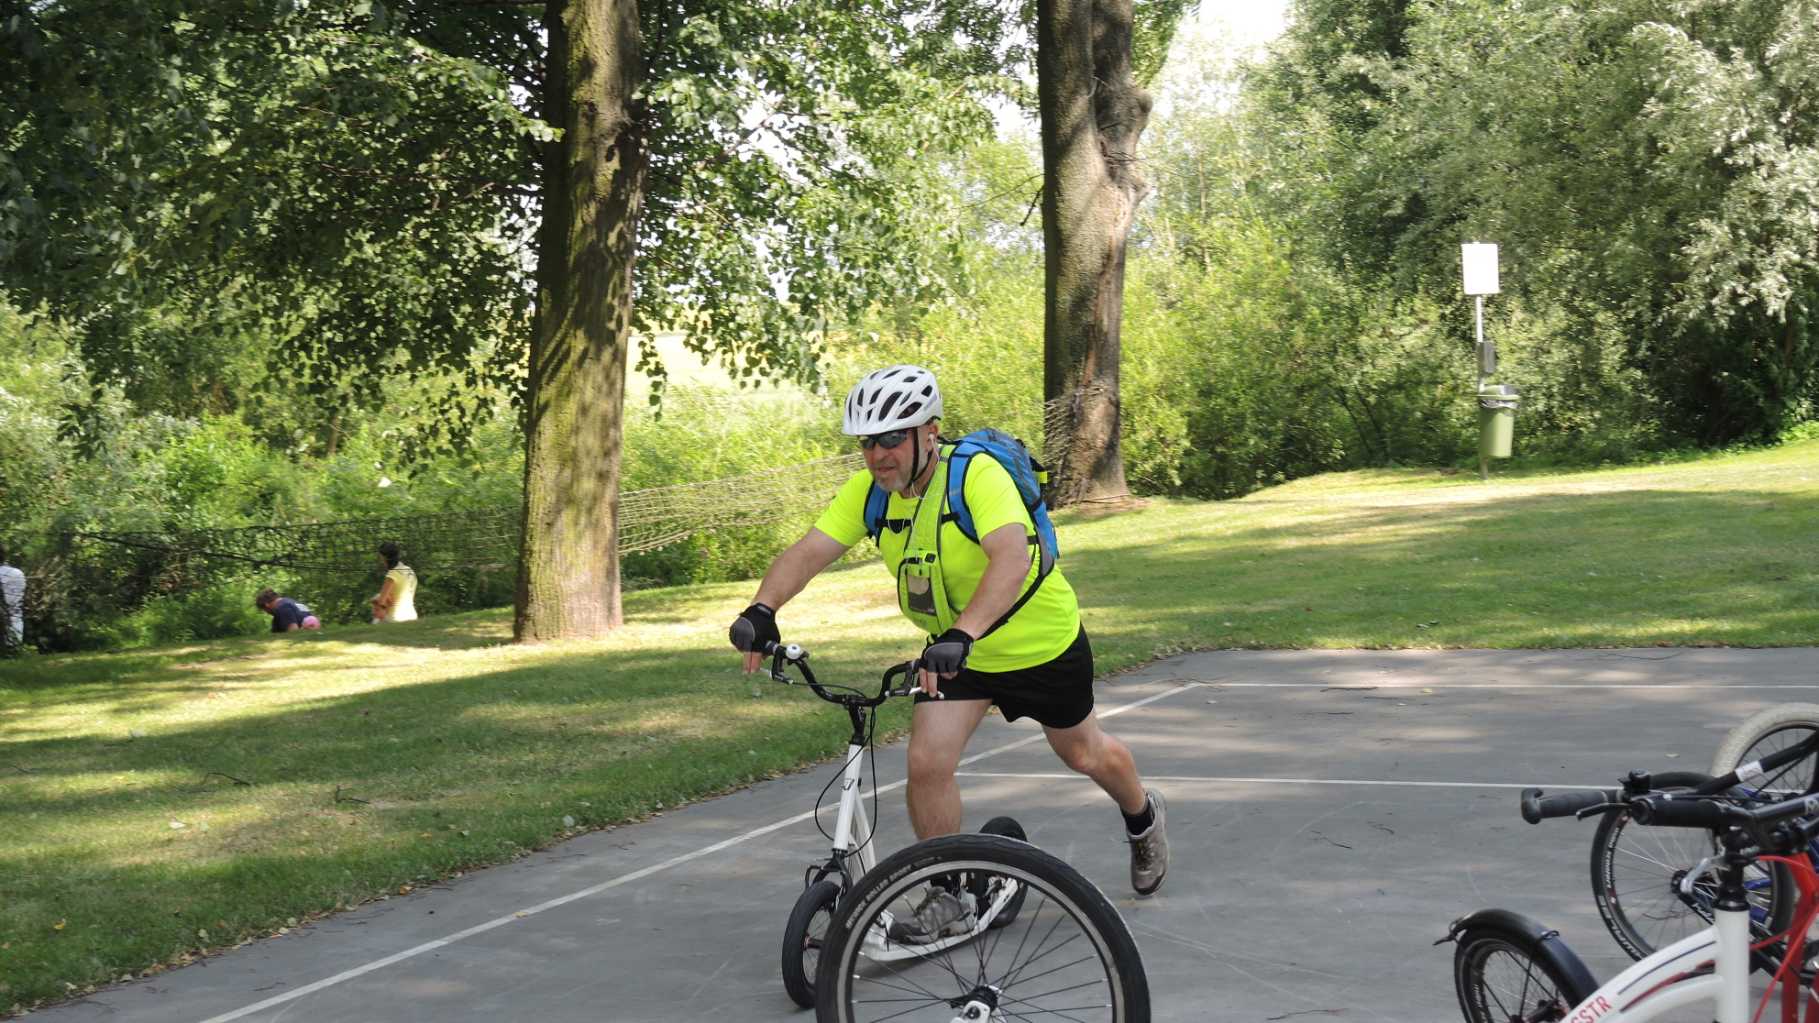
<point>782,654</point>
<point>1664,810</point>
<point>1538,805</point>
<point>1782,826</point>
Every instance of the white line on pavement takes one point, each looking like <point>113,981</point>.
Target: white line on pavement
<point>431,946</point>
<point>1198,779</point>
<point>1365,687</point>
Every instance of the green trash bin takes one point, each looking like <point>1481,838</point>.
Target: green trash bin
<point>1496,420</point>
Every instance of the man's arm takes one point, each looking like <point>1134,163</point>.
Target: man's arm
<point>796,566</point>
<point>790,572</point>
<point>1007,552</point>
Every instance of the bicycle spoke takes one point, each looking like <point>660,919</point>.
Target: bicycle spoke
<point>1057,967</point>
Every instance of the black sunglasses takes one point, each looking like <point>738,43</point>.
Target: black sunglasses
<point>888,441</point>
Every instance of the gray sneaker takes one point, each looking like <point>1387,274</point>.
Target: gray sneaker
<point>1149,851</point>
<point>941,915</point>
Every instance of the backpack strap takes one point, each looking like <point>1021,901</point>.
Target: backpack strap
<point>962,517</point>
<point>957,463</point>
<point>877,503</point>
<point>1018,606</point>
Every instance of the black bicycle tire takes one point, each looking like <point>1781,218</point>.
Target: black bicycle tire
<point>816,898</point>
<point>1476,943</point>
<point>937,857</point>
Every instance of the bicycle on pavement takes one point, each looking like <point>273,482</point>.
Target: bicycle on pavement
<point>993,901</point>
<point>1508,968</point>
<point>1643,879</point>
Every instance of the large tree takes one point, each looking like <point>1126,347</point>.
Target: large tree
<point>746,172</point>
<point>365,185</point>
<point>1093,108</point>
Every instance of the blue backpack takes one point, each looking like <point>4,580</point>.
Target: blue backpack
<point>1026,472</point>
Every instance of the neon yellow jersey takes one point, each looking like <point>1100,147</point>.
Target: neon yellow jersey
<point>938,569</point>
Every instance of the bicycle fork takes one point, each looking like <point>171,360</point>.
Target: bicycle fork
<point>853,820</point>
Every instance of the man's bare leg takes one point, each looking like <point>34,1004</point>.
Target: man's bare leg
<point>939,732</point>
<point>1089,750</point>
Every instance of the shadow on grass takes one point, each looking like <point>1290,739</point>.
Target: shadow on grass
<point>509,750</point>
<point>354,793</point>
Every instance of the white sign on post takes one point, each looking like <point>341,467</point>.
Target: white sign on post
<point>1480,262</point>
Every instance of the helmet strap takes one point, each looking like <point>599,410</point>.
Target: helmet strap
<point>916,466</point>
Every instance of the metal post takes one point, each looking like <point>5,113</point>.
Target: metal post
<point>1484,462</point>
<point>1480,350</point>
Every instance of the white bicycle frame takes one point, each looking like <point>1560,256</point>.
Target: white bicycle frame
<point>1666,980</point>
<point>1674,976</point>
<point>852,821</point>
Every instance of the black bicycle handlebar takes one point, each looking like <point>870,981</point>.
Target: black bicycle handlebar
<point>793,654</point>
<point>1669,810</point>
<point>1788,825</point>
<point>1537,805</point>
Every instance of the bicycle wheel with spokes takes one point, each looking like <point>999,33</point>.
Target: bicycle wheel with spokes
<point>1501,976</point>
<point>1067,956</point>
<point>1772,731</point>
<point>1640,879</point>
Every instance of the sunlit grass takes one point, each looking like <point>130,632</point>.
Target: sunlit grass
<point>157,803</point>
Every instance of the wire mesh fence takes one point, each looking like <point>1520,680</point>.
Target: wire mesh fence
<point>464,560</point>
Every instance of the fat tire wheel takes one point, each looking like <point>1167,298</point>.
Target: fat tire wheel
<point>1634,868</point>
<point>806,934</point>
<point>1765,732</point>
<point>1107,983</point>
<point>1006,827</point>
<point>1502,975</point>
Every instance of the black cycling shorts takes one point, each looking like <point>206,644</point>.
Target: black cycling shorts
<point>1057,693</point>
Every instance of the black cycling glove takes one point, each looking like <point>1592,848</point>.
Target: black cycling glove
<point>755,626</point>
<point>946,654</point>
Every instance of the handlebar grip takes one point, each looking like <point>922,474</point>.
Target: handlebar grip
<point>1537,805</point>
<point>1664,811</point>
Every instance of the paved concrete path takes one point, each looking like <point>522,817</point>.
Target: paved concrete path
<point>1330,813</point>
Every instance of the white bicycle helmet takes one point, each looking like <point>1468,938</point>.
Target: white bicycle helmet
<point>891,399</point>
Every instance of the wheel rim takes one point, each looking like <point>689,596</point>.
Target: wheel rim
<point>1050,963</point>
<point>1510,987</point>
<point>1643,871</point>
<point>814,938</point>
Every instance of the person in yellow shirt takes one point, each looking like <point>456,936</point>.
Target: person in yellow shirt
<point>1036,663</point>
<point>397,599</point>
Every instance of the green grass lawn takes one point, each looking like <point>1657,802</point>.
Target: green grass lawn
<point>156,805</point>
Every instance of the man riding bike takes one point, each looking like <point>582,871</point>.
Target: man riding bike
<point>1034,663</point>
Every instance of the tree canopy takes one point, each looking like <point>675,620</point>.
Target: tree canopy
<point>1649,167</point>
<point>356,183</point>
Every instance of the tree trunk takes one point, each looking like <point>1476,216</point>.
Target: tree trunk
<point>568,566</point>
<point>1092,114</point>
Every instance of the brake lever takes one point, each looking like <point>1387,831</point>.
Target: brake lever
<point>1594,810</point>
<point>1698,871</point>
